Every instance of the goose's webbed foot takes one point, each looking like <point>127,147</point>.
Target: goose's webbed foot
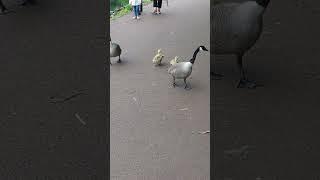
<point>244,83</point>
<point>216,76</point>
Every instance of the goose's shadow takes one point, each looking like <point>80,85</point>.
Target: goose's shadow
<point>114,62</point>
<point>181,86</point>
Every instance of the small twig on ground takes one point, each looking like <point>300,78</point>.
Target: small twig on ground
<point>61,100</point>
<point>80,119</point>
<point>204,132</point>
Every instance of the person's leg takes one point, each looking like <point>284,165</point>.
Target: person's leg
<point>155,6</point>
<point>137,11</point>
<point>134,12</point>
<point>159,6</point>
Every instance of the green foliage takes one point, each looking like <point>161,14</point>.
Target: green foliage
<point>122,7</point>
<point>115,4</point>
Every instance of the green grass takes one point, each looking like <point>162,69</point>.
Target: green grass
<point>115,4</point>
<point>124,9</point>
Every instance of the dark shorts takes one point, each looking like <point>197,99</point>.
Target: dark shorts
<point>157,3</point>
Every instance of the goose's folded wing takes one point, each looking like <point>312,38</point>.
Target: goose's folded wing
<point>174,67</point>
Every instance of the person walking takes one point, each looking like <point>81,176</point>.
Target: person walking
<point>141,8</point>
<point>157,6</point>
<point>136,8</point>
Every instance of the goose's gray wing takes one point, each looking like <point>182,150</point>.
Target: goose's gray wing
<point>115,50</point>
<point>179,70</point>
<point>235,27</point>
<point>222,31</point>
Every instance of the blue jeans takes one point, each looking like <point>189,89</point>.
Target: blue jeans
<point>136,10</point>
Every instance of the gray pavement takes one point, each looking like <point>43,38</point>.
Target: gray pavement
<point>52,50</point>
<point>154,127</point>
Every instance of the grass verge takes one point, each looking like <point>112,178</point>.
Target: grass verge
<point>125,10</point>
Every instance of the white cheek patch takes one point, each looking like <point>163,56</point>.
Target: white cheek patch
<point>201,49</point>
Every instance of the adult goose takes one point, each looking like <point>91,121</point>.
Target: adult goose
<point>236,28</point>
<point>115,50</point>
<point>4,10</point>
<point>182,70</point>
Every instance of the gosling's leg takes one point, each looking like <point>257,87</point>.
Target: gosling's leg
<point>216,76</point>
<point>243,82</point>
<point>119,60</point>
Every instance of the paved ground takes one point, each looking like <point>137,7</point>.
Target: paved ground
<point>53,49</point>
<point>281,119</point>
<point>154,127</point>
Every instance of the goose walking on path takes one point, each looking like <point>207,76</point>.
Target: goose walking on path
<point>236,28</point>
<point>4,10</point>
<point>182,70</point>
<point>115,50</point>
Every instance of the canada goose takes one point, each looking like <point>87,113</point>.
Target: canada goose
<point>158,58</point>
<point>236,28</point>
<point>174,61</point>
<point>182,70</point>
<point>4,10</point>
<point>115,50</point>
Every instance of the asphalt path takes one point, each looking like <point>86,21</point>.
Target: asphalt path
<point>51,52</point>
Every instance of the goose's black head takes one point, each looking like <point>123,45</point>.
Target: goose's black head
<point>263,3</point>
<point>202,48</point>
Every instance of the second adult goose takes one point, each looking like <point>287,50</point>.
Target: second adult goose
<point>182,70</point>
<point>115,50</point>
<point>236,28</point>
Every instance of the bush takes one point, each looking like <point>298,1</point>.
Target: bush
<point>115,4</point>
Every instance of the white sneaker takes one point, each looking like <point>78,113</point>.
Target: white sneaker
<point>134,17</point>
<point>138,17</point>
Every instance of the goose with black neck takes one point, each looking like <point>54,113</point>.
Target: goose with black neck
<point>236,28</point>
<point>182,70</point>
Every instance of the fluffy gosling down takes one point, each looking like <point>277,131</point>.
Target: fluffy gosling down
<point>158,58</point>
<point>174,61</point>
<point>182,70</point>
